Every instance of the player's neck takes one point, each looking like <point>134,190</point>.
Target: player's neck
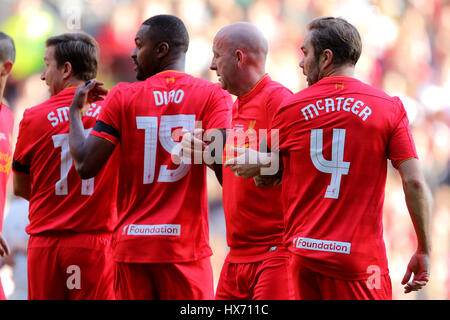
<point>249,82</point>
<point>342,71</point>
<point>2,87</point>
<point>175,64</point>
<point>69,83</point>
<point>72,83</point>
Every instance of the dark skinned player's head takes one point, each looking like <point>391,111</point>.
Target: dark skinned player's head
<point>161,42</point>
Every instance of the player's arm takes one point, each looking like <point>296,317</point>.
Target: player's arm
<point>193,147</point>
<point>4,249</point>
<point>419,202</point>
<point>251,163</point>
<point>89,153</point>
<point>214,151</point>
<point>22,185</point>
<point>268,180</point>
<point>275,100</point>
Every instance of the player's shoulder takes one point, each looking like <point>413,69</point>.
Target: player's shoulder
<point>37,110</point>
<point>6,118</point>
<point>379,99</point>
<point>272,85</point>
<point>6,111</point>
<point>205,87</point>
<point>297,97</point>
<point>276,90</point>
<point>63,99</point>
<point>126,91</point>
<point>171,78</point>
<point>345,85</point>
<point>194,81</point>
<point>127,87</point>
<point>372,91</point>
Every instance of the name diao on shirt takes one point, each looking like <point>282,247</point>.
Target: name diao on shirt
<point>165,97</point>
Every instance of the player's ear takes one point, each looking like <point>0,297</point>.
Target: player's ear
<point>7,67</point>
<point>162,49</point>
<point>326,58</point>
<point>239,57</point>
<point>67,70</point>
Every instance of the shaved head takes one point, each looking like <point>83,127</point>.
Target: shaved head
<point>244,36</point>
<point>240,51</point>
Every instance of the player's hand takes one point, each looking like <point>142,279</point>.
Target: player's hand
<point>267,181</point>
<point>88,92</point>
<point>192,147</point>
<point>420,266</point>
<point>4,249</point>
<point>247,164</point>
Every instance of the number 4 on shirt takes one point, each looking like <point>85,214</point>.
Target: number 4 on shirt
<point>336,166</point>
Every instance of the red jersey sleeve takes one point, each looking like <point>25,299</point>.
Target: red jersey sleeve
<point>108,123</point>
<point>401,145</point>
<point>218,114</point>
<point>280,128</point>
<point>274,122</point>
<point>21,158</point>
<point>276,99</point>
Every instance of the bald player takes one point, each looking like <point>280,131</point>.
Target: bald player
<point>256,266</point>
<point>7,57</point>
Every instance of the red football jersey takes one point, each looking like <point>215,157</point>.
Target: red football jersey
<point>6,131</point>
<point>253,216</point>
<point>60,200</point>
<point>335,138</point>
<point>163,209</point>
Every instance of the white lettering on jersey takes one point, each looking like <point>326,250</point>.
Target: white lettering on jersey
<point>308,108</point>
<point>153,230</point>
<point>331,105</point>
<point>164,97</point>
<point>322,245</point>
<point>62,114</point>
<point>336,166</point>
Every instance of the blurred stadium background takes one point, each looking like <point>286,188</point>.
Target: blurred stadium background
<point>406,52</point>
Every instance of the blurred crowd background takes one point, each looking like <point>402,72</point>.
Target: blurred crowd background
<point>406,52</point>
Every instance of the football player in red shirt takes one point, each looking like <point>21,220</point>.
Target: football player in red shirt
<point>7,57</point>
<point>335,138</point>
<point>161,243</point>
<point>256,266</point>
<point>71,220</point>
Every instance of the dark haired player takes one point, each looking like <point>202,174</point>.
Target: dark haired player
<point>71,220</point>
<point>161,248</point>
<point>335,138</point>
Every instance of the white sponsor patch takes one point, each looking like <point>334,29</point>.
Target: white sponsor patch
<point>153,230</point>
<point>322,245</point>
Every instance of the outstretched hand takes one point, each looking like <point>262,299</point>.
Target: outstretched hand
<point>419,265</point>
<point>246,164</point>
<point>192,145</point>
<point>88,92</point>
